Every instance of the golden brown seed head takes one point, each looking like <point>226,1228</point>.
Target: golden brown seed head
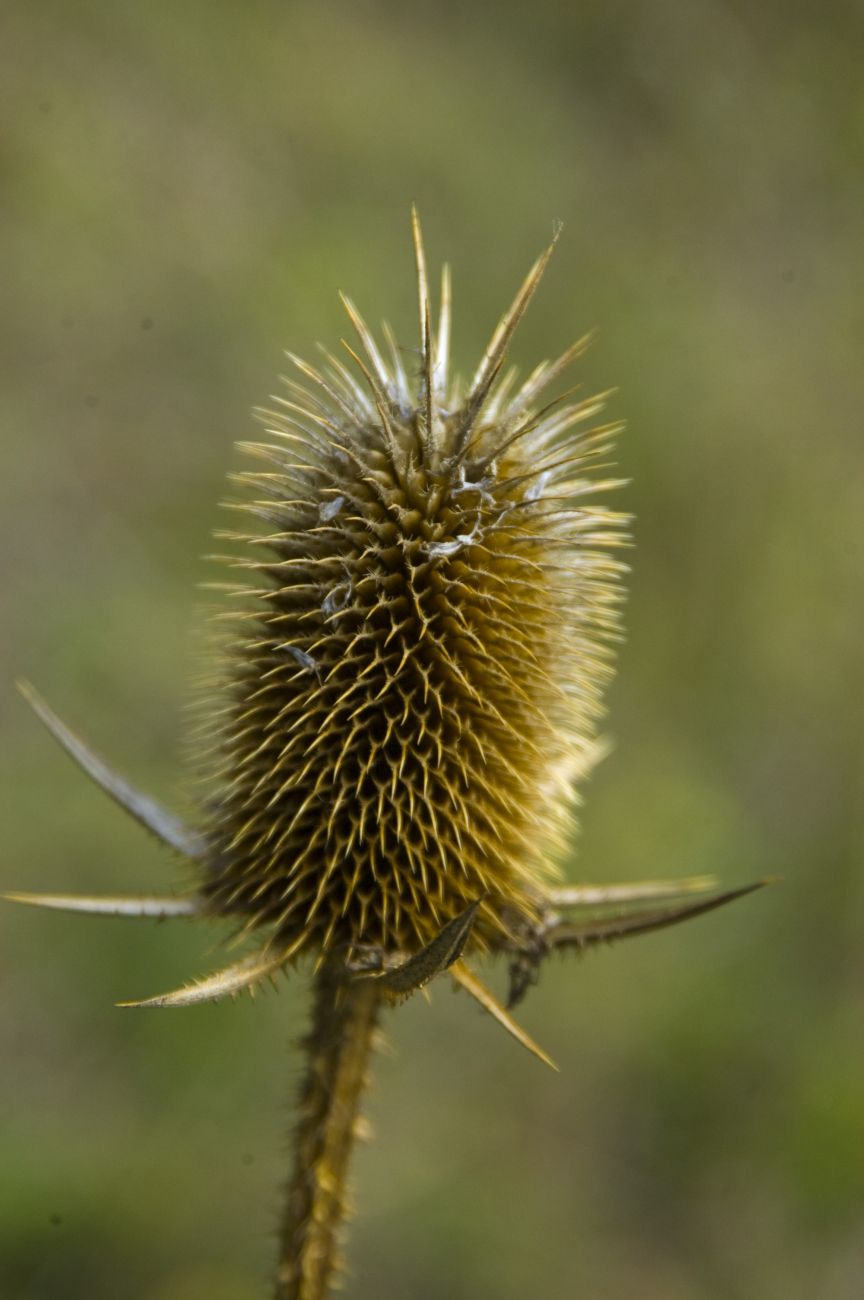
<point>414,686</point>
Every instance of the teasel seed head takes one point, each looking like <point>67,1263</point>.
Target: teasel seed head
<point>408,694</point>
<point>414,686</point>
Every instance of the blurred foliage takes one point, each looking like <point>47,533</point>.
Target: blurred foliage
<point>182,189</point>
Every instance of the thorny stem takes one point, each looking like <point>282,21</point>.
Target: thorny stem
<point>337,1047</point>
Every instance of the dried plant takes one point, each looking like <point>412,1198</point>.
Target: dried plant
<point>405,700</point>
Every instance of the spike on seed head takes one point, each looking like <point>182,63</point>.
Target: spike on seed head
<point>418,680</point>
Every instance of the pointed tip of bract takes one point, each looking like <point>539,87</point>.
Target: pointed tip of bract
<point>417,236</point>
<point>496,351</point>
<point>426,344</point>
<point>466,979</point>
<point>96,905</point>
<point>585,934</point>
<point>224,983</point>
<point>159,821</point>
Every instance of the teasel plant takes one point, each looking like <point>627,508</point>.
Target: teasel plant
<point>407,682</point>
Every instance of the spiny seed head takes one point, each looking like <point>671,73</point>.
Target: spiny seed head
<point>410,692</point>
<point>413,686</point>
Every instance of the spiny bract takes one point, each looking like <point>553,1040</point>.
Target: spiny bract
<point>414,687</point>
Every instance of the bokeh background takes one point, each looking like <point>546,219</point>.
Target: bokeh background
<point>183,189</point>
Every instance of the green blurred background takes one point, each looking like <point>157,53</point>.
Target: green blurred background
<point>184,187</point>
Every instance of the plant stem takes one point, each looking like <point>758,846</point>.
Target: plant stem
<point>337,1047</point>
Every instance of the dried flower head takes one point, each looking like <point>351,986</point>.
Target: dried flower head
<point>416,683</point>
<point>403,705</point>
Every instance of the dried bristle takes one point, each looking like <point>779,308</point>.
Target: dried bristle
<point>414,686</point>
